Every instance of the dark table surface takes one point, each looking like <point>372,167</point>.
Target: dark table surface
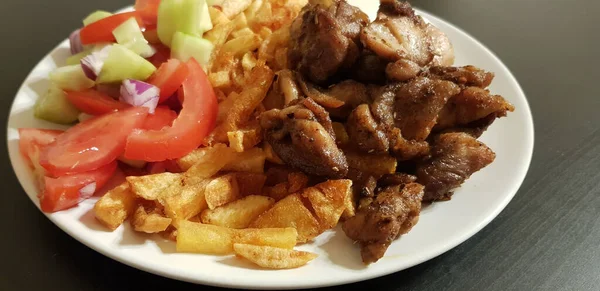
<point>548,238</point>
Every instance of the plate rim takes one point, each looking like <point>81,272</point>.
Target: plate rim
<point>528,146</point>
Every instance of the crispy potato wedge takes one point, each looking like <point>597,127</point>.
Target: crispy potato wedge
<point>350,207</point>
<point>273,258</point>
<point>211,239</point>
<point>221,190</point>
<point>245,138</point>
<point>148,220</point>
<point>290,212</point>
<point>203,156</point>
<point>252,160</point>
<point>239,213</point>
<point>150,187</point>
<point>328,200</point>
<point>250,183</point>
<point>211,163</point>
<point>115,206</point>
<point>183,201</point>
<point>217,17</point>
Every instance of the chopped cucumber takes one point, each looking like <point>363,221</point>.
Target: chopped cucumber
<point>186,46</point>
<point>71,78</point>
<point>130,35</point>
<point>75,59</point>
<point>95,16</point>
<point>122,64</point>
<point>187,16</point>
<point>55,107</point>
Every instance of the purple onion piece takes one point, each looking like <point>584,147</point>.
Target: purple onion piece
<point>92,64</point>
<point>141,94</point>
<point>75,42</point>
<point>87,191</point>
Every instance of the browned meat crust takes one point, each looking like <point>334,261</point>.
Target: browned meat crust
<point>454,158</point>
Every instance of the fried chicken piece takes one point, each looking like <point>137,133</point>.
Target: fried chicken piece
<point>472,108</point>
<point>454,158</point>
<point>398,33</point>
<point>402,70</point>
<point>325,39</point>
<point>303,137</point>
<point>376,225</point>
<point>365,133</point>
<point>470,76</point>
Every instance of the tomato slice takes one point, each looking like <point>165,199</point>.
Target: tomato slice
<point>102,30</point>
<point>32,138</point>
<point>148,10</point>
<point>195,121</point>
<point>64,192</point>
<point>169,77</point>
<point>91,144</point>
<point>161,56</point>
<point>93,102</point>
<point>163,116</point>
<point>151,35</point>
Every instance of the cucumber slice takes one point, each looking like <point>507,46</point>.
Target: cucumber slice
<point>122,64</point>
<point>186,46</point>
<point>187,16</point>
<point>71,78</point>
<point>75,59</point>
<point>130,35</point>
<point>55,107</point>
<point>95,16</point>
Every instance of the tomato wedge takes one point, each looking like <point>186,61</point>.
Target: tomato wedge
<point>93,102</point>
<point>169,77</point>
<point>148,10</point>
<point>32,138</point>
<point>64,192</point>
<point>102,30</point>
<point>161,56</point>
<point>163,116</point>
<point>195,121</point>
<point>91,144</point>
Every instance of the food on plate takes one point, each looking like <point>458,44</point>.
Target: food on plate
<point>249,127</point>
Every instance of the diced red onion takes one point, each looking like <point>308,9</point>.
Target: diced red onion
<point>75,42</point>
<point>87,191</point>
<point>92,64</point>
<point>141,94</point>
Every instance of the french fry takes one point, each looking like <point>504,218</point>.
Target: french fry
<point>202,156</point>
<point>182,202</point>
<point>296,182</point>
<point>350,207</point>
<point>150,187</point>
<point>290,212</point>
<point>270,154</point>
<point>373,165</point>
<point>232,8</point>
<point>245,138</point>
<point>249,61</point>
<point>221,190</point>
<point>115,206</point>
<point>279,191</point>
<point>251,11</point>
<point>328,201</point>
<point>240,21</point>
<point>220,79</point>
<point>211,239</point>
<point>219,35</point>
<point>252,160</point>
<point>242,32</point>
<point>217,17</point>
<point>149,220</point>
<point>273,258</point>
<point>239,213</point>
<point>250,183</point>
<point>242,44</point>
<point>277,39</point>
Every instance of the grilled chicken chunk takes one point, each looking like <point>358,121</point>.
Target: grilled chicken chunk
<point>454,158</point>
<point>302,136</point>
<point>393,212</point>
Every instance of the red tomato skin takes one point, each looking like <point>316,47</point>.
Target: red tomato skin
<point>148,10</point>
<point>169,77</point>
<point>163,116</point>
<point>93,102</point>
<point>29,138</point>
<point>63,192</point>
<point>101,30</point>
<point>91,144</point>
<point>195,121</point>
<point>162,55</point>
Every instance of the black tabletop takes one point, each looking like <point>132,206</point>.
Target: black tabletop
<point>548,237</point>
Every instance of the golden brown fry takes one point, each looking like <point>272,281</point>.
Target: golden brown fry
<point>232,8</point>
<point>328,201</point>
<point>115,206</point>
<point>290,212</point>
<point>217,17</point>
<point>220,79</point>
<point>350,207</point>
<point>252,160</point>
<point>249,61</point>
<point>277,39</point>
<point>270,155</point>
<point>202,156</point>
<point>219,35</point>
<point>238,214</point>
<point>240,21</point>
<point>242,32</point>
<point>251,11</point>
<point>273,258</point>
<point>242,44</point>
<point>373,165</point>
<point>148,220</point>
<point>245,138</point>
<point>275,237</point>
<point>221,190</point>
<point>278,192</point>
<point>296,182</point>
<point>183,201</point>
<point>250,183</point>
<point>150,187</point>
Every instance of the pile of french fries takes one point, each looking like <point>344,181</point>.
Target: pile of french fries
<point>224,202</point>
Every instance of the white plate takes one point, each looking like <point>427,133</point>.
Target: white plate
<point>442,225</point>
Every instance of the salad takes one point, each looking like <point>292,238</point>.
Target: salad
<point>135,91</point>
